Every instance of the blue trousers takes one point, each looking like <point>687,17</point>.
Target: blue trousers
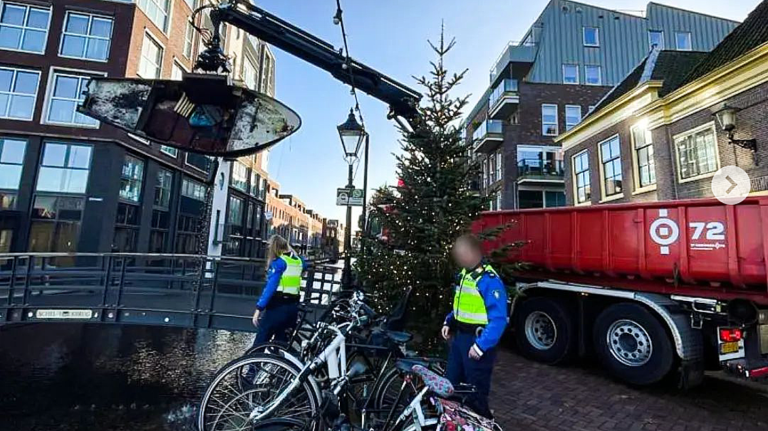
<point>463,369</point>
<point>277,322</point>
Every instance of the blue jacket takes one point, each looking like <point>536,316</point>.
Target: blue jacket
<point>494,295</point>
<point>275,271</point>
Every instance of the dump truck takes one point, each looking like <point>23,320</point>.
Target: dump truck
<point>659,290</point>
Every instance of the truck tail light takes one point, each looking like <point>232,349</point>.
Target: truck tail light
<point>728,335</point>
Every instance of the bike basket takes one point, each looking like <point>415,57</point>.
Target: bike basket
<point>456,417</point>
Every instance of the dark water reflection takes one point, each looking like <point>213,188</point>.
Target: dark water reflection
<point>108,377</point>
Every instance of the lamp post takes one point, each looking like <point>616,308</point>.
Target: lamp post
<point>352,136</point>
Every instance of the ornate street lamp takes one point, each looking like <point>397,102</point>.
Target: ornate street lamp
<point>352,135</point>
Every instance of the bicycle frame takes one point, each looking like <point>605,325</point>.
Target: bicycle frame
<point>334,355</point>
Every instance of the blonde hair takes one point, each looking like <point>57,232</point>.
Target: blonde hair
<point>276,247</point>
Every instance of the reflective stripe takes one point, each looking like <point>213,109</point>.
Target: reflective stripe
<point>468,302</point>
<point>290,281</point>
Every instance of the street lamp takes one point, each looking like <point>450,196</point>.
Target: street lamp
<point>352,135</point>
<point>726,116</point>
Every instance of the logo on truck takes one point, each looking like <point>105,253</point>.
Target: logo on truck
<point>706,235</point>
<point>664,231</point>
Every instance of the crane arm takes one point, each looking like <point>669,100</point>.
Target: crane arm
<point>402,101</point>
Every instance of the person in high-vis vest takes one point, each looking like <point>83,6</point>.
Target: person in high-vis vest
<point>476,322</point>
<point>278,306</point>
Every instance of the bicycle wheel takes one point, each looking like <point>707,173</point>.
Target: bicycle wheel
<point>253,383</point>
<point>387,391</point>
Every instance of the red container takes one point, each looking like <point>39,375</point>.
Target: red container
<point>692,247</point>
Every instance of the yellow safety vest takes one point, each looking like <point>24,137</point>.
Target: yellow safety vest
<point>468,304</point>
<point>290,281</point>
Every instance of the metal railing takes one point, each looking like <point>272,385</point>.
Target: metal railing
<point>539,169</point>
<point>162,289</point>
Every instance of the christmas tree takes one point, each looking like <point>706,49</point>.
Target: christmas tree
<point>432,205</point>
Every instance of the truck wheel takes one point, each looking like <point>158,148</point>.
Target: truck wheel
<point>632,344</point>
<point>544,330</point>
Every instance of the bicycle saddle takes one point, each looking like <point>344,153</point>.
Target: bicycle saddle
<point>398,337</point>
<point>441,386</point>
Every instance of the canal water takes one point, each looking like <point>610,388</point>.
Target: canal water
<point>62,377</point>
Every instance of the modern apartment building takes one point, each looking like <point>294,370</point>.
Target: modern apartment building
<point>69,183</point>
<point>570,57</point>
<point>665,130</point>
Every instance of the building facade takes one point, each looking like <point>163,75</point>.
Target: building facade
<point>657,135</point>
<point>543,86</point>
<point>71,184</point>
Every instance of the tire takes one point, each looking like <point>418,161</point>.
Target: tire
<point>545,330</point>
<point>633,344</point>
<point>227,401</point>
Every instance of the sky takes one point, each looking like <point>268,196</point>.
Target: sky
<point>391,36</point>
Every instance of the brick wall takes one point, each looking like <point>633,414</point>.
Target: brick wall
<point>529,127</point>
<point>750,124</point>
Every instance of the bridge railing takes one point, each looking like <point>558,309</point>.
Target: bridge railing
<point>171,289</point>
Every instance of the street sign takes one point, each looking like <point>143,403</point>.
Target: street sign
<point>349,197</point>
<point>267,215</point>
<point>332,224</point>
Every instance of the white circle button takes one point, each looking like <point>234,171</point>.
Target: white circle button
<point>731,185</point>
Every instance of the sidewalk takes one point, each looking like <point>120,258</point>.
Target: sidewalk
<point>530,396</point>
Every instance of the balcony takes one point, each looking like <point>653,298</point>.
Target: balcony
<point>515,52</point>
<point>503,100</point>
<point>488,136</point>
<point>538,170</point>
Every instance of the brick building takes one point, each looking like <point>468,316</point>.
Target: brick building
<point>656,135</point>
<point>68,183</point>
<point>569,59</point>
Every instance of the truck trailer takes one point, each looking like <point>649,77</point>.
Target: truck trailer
<point>651,290</point>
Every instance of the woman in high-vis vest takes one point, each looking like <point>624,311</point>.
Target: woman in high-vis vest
<point>278,306</point>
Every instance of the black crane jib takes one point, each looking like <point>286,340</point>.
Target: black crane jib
<point>284,35</point>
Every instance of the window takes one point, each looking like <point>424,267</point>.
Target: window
<point>63,98</point>
<point>572,116</point>
<point>173,152</point>
<point>235,217</point>
<point>157,11</point>
<point>549,120</point>
<point>127,224</point>
<point>610,158</point>
<point>191,3</point>
<point>151,61</point>
<point>581,177</point>
<point>249,74</point>
<point>697,153</point>
<point>131,179</point>
<point>193,189</point>
<point>64,168</point>
<point>656,38</point>
<point>255,184</point>
<point>591,36</point>
<point>198,161</point>
<point>240,176</point>
<point>160,232</point>
<point>570,74</point>
<point>86,36</point>
<point>55,225</point>
<point>163,188</point>
<point>18,91</point>
<point>683,41</point>
<point>266,72</point>
<point>594,75</point>
<point>23,27</point>
<point>177,71</point>
<point>11,163</point>
<point>646,167</point>
<point>189,40</point>
<point>499,163</point>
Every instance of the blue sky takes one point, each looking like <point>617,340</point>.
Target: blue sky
<point>391,36</point>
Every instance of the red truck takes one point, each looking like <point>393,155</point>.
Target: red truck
<point>650,289</point>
